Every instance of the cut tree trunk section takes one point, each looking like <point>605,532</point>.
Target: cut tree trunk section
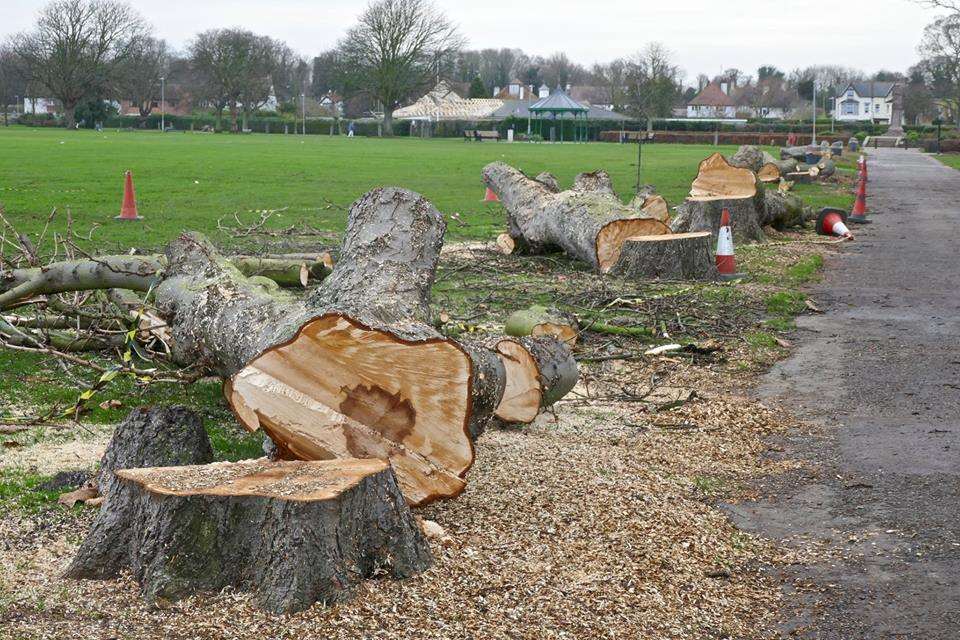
<point>538,374</point>
<point>292,533</point>
<point>588,221</point>
<point>357,368</point>
<point>672,256</point>
<point>717,179</point>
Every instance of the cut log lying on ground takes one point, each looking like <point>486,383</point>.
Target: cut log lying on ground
<point>293,533</point>
<point>539,320</point>
<point>784,210</point>
<point>670,256</point>
<point>773,169</point>
<point>536,377</point>
<point>719,186</point>
<point>747,157</point>
<point>805,173</point>
<point>587,221</point>
<point>355,369</point>
<point>797,153</point>
<point>139,273</point>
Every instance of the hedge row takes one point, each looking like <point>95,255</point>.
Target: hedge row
<point>723,137</point>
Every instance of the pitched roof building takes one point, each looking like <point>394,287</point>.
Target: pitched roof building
<point>865,101</point>
<point>713,101</point>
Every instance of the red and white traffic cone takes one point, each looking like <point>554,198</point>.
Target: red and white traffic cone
<point>832,222</point>
<point>726,262</point>
<point>128,210</point>
<point>490,196</point>
<point>859,213</point>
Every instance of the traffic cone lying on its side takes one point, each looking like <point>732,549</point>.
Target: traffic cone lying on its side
<point>128,210</point>
<point>859,213</point>
<point>726,263</point>
<point>832,222</point>
<point>490,196</point>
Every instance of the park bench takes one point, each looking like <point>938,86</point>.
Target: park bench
<point>480,136</point>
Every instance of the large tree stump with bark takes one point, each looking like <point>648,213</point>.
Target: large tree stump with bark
<point>720,186</point>
<point>588,221</point>
<point>784,210</point>
<point>293,533</point>
<point>671,256</point>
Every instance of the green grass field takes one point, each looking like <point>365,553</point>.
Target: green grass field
<point>950,159</point>
<point>186,181</point>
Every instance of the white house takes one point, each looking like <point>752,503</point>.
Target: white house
<point>713,101</point>
<point>865,101</point>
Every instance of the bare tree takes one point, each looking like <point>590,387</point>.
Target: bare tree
<point>140,74</point>
<point>76,46</point>
<point>234,69</point>
<point>393,49</point>
<point>653,82</point>
<point>612,78</point>
<point>940,48</point>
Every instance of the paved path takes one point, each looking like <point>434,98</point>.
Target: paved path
<point>881,369</point>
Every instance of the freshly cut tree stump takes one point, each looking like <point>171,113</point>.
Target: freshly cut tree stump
<point>672,256</point>
<point>539,320</point>
<point>154,437</point>
<point>720,186</point>
<point>588,221</point>
<point>717,179</point>
<point>293,533</point>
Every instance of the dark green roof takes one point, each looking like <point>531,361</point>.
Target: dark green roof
<point>557,102</point>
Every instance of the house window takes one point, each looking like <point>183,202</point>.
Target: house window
<point>850,107</point>
<point>850,93</point>
<point>876,107</point>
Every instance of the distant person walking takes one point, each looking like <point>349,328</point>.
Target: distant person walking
<point>350,129</point>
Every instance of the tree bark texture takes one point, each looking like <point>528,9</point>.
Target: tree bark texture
<point>154,437</point>
<point>672,256</point>
<point>588,221</point>
<point>747,157</point>
<point>746,217</point>
<point>292,533</point>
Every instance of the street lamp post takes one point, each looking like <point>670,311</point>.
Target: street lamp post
<point>814,141</point>
<point>303,111</point>
<point>163,119</point>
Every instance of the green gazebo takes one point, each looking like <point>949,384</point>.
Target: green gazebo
<point>556,107</point>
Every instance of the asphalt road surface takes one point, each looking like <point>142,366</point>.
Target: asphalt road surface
<point>880,370</point>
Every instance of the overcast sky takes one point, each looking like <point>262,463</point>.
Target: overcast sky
<point>706,36</point>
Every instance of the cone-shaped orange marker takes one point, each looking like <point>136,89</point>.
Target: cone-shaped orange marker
<point>726,262</point>
<point>490,196</point>
<point>831,222</point>
<point>128,210</point>
<point>859,213</point>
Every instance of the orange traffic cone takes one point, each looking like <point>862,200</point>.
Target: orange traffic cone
<point>128,210</point>
<point>726,262</point>
<point>832,222</point>
<point>859,213</point>
<point>490,196</point>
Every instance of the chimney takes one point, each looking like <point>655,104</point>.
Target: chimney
<point>725,87</point>
<point>496,91</point>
